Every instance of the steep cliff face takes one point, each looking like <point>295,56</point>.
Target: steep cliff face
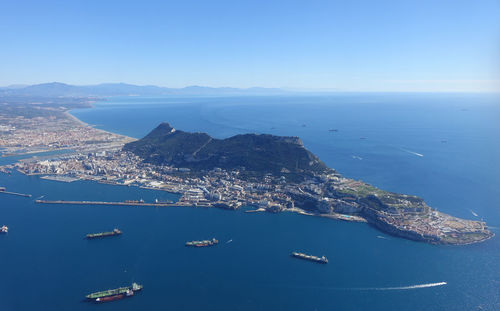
<point>404,216</point>
<point>250,152</point>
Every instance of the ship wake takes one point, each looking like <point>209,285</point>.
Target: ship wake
<point>418,286</point>
<point>396,288</point>
<point>413,152</point>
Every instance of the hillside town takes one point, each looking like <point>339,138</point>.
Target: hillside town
<point>40,128</point>
<point>96,155</point>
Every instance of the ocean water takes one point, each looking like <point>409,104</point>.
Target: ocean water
<point>442,147</point>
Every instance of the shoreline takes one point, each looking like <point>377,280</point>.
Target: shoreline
<point>336,216</point>
<point>394,225</point>
<point>84,124</point>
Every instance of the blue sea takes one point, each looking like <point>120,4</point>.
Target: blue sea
<point>442,147</point>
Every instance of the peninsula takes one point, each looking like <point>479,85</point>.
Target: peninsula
<point>279,173</point>
<point>269,173</point>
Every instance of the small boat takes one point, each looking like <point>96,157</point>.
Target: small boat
<point>4,229</point>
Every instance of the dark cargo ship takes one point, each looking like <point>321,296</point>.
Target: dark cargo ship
<point>114,294</point>
<point>317,259</point>
<point>211,242</point>
<point>103,234</point>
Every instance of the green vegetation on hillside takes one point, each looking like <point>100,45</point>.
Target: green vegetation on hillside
<point>250,153</point>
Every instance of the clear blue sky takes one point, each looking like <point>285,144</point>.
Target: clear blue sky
<point>372,45</point>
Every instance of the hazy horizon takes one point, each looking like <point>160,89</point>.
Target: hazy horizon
<point>284,89</point>
<point>383,46</point>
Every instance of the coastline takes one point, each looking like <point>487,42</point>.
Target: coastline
<point>395,229</point>
<point>336,216</point>
<point>82,123</point>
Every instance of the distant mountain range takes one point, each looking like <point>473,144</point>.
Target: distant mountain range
<point>57,89</point>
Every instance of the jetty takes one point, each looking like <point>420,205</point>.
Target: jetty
<point>3,190</point>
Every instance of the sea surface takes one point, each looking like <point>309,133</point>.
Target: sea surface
<point>442,147</point>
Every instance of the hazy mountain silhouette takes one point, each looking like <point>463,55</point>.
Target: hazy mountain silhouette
<point>57,89</point>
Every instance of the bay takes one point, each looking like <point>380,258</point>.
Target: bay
<point>442,147</point>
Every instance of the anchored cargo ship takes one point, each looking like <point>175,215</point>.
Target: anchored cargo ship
<point>202,243</point>
<point>4,229</point>
<point>317,259</point>
<point>103,234</point>
<point>114,294</point>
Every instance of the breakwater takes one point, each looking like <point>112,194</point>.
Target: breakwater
<point>119,203</point>
<point>15,193</point>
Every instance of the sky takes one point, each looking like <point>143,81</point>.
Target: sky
<point>399,45</point>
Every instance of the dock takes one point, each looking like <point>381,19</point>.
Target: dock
<point>67,179</point>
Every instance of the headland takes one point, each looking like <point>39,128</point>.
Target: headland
<point>271,173</point>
